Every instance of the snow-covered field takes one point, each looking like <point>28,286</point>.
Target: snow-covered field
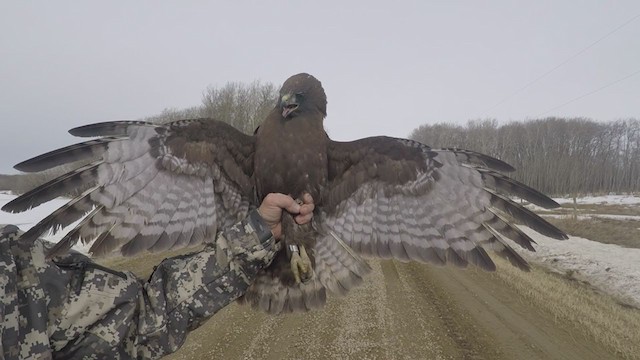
<point>610,268</point>
<point>603,200</point>
<point>591,216</point>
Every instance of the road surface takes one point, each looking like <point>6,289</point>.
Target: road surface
<point>402,311</point>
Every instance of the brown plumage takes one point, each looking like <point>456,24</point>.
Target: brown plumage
<point>291,158</point>
<point>158,187</point>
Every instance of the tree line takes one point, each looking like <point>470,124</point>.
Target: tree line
<point>558,156</point>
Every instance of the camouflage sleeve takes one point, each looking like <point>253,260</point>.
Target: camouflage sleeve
<point>185,291</point>
<point>74,308</point>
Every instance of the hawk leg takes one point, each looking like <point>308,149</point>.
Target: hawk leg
<point>296,237</point>
<point>301,265</point>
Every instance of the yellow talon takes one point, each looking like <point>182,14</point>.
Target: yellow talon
<point>301,266</point>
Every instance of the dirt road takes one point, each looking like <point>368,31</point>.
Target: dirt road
<point>402,311</point>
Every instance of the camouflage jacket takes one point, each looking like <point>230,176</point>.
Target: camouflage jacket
<point>72,308</point>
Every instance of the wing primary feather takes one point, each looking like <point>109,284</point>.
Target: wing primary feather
<point>108,128</point>
<point>72,180</point>
<point>81,151</point>
<point>505,184</point>
<point>504,227</point>
<point>52,189</point>
<point>526,216</point>
<point>474,158</point>
<point>507,252</point>
<point>479,257</point>
<point>63,216</point>
<point>452,257</point>
<point>105,242</point>
<point>65,244</point>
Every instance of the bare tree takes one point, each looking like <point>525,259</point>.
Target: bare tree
<point>242,105</point>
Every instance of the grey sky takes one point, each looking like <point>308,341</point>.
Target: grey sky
<point>387,67</point>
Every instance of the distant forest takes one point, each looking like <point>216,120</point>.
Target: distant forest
<point>557,156</point>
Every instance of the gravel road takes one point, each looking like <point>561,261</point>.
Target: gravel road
<point>404,311</point>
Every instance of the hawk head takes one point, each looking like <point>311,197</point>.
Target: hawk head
<point>302,93</point>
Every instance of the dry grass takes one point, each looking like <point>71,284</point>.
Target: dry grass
<point>598,316</point>
<point>608,231</point>
<point>608,209</point>
<point>586,209</point>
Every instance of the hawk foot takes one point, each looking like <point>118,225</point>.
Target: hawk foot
<point>301,266</point>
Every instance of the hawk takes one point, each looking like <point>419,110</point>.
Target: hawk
<point>159,187</point>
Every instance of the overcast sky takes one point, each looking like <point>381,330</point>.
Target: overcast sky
<point>387,67</point>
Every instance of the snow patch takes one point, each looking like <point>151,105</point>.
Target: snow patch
<point>609,268</point>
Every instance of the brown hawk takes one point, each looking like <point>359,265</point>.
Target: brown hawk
<point>159,187</point>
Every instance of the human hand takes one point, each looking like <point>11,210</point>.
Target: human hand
<point>273,204</point>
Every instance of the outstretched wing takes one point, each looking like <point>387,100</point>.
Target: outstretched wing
<point>151,187</point>
<point>398,198</point>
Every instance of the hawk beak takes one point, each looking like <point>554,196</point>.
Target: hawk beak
<point>289,105</point>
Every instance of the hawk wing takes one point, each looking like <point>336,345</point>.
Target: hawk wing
<point>154,187</point>
<point>398,198</point>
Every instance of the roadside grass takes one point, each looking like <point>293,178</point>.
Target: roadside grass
<point>621,232</point>
<point>586,209</point>
<point>597,315</point>
<point>607,209</point>
<point>609,231</point>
